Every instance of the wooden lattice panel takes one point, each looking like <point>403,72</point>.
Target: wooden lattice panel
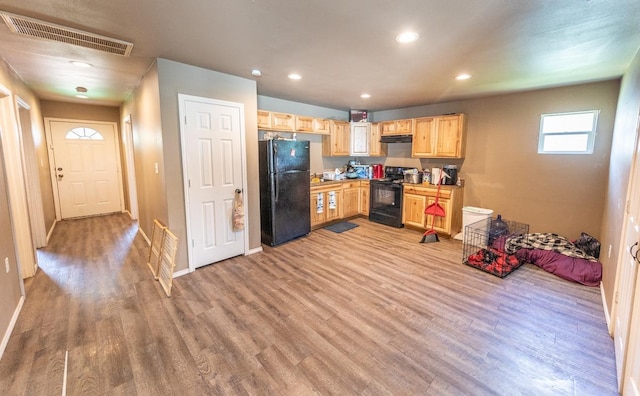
<point>157,236</point>
<point>167,260</point>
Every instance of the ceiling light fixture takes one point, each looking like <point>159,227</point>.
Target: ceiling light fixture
<point>81,93</point>
<point>463,76</point>
<point>81,64</point>
<point>294,76</point>
<point>365,96</point>
<point>256,72</point>
<point>407,37</point>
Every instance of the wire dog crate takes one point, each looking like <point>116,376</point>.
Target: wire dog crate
<point>484,245</point>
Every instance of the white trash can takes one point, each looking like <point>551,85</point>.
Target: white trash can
<point>470,215</point>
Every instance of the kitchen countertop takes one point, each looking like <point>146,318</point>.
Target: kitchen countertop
<point>330,182</point>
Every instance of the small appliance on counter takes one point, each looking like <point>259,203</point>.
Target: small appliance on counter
<point>412,176</point>
<point>378,171</point>
<point>450,175</point>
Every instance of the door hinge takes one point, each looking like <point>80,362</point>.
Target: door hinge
<point>185,120</point>
<point>615,298</point>
<point>193,244</point>
<point>189,181</point>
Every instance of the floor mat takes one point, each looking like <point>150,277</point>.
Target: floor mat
<point>341,227</point>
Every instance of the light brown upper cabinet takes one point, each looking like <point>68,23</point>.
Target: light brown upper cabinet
<point>264,119</point>
<point>338,142</point>
<point>304,124</point>
<point>439,137</point>
<point>283,122</point>
<point>272,121</point>
<point>397,127</point>
<point>377,148</point>
<point>268,120</point>
<point>322,126</point>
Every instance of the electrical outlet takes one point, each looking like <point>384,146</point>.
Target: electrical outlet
<point>609,256</point>
<point>6,263</point>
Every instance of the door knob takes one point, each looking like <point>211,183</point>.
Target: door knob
<point>635,256</point>
<point>59,169</point>
<point>60,176</point>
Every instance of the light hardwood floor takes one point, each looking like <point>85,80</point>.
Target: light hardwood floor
<point>367,312</point>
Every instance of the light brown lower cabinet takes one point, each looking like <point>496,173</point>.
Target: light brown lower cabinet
<point>364,197</point>
<point>327,212</point>
<point>416,198</point>
<point>349,197</point>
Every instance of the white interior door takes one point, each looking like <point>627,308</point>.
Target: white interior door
<point>627,275</point>
<point>212,141</point>
<point>631,379</point>
<point>86,168</point>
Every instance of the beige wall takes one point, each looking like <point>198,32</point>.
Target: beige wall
<point>563,194</point>
<point>154,111</point>
<point>624,138</point>
<point>177,78</point>
<point>144,109</point>
<point>10,283</point>
<point>80,111</point>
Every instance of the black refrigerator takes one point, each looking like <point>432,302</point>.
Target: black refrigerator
<point>284,190</point>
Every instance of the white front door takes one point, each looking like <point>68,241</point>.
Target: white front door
<point>85,161</point>
<point>213,158</point>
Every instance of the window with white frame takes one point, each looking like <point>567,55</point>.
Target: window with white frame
<point>568,133</point>
<point>83,134</point>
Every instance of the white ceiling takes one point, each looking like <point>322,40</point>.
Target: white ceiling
<point>341,48</point>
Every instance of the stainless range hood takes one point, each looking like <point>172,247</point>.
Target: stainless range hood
<point>396,139</point>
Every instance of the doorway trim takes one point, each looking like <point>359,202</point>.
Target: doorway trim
<point>129,161</point>
<point>25,250</point>
<point>32,177</point>
<point>52,165</point>
<point>182,99</point>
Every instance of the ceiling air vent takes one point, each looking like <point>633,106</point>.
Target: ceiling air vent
<point>50,31</point>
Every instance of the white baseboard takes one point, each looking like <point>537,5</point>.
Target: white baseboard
<point>51,230</point>
<point>607,314</point>
<point>144,236</point>
<point>12,324</point>
<point>254,251</point>
<point>181,273</point>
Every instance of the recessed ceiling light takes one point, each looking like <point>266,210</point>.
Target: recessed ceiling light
<point>463,76</point>
<point>256,72</point>
<point>365,96</point>
<point>82,93</point>
<point>407,37</point>
<point>81,64</point>
<point>294,76</point>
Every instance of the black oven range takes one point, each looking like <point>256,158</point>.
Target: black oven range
<point>385,197</point>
